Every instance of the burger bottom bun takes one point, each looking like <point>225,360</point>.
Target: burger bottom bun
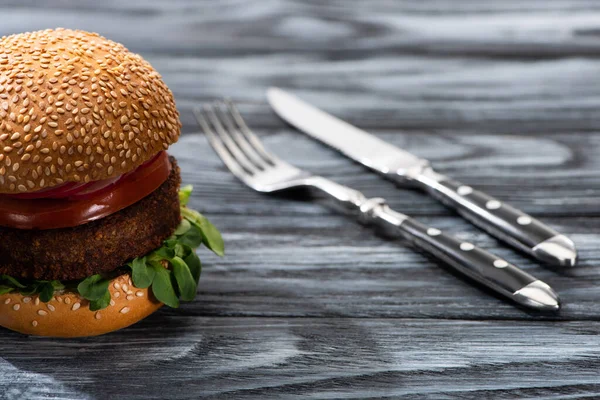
<point>68,314</point>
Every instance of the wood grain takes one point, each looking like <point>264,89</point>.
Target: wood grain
<point>277,247</point>
<point>185,356</point>
<point>308,303</point>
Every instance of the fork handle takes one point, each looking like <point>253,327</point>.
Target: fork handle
<point>478,264</point>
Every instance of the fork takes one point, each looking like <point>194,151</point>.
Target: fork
<point>244,155</point>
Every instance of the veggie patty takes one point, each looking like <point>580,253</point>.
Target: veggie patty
<point>96,247</point>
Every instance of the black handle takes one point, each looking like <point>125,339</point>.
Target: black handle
<point>478,264</point>
<point>491,271</point>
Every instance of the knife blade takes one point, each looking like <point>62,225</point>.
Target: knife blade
<point>499,219</point>
<point>349,140</point>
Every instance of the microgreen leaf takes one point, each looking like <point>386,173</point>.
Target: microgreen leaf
<point>183,227</point>
<point>5,289</point>
<point>93,287</point>
<point>193,237</point>
<point>193,263</point>
<point>12,281</point>
<point>101,303</point>
<point>57,285</point>
<point>162,286</point>
<point>141,274</point>
<point>47,292</point>
<point>184,194</point>
<point>185,280</point>
<point>162,253</point>
<point>33,288</point>
<point>211,237</point>
<point>170,243</point>
<point>181,250</point>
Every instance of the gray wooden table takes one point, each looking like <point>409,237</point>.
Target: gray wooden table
<point>307,303</point>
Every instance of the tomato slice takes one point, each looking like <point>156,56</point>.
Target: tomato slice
<point>84,202</point>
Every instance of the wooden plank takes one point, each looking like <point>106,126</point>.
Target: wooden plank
<point>332,267</point>
<point>402,93</point>
<point>287,257</point>
<point>509,29</point>
<point>292,257</point>
<point>505,67</point>
<point>180,355</point>
<point>307,303</point>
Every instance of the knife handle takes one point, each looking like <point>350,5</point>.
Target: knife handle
<point>474,262</point>
<point>500,220</point>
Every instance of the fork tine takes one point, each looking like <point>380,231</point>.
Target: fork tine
<point>240,139</point>
<point>229,143</point>
<point>249,135</point>
<point>219,147</point>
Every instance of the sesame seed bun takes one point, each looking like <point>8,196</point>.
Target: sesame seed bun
<point>68,315</point>
<point>77,107</point>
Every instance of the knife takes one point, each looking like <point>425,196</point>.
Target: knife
<point>499,219</point>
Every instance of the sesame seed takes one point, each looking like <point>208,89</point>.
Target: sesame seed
<point>112,302</point>
<point>42,312</point>
<point>78,81</point>
<point>16,307</point>
<point>37,301</point>
<point>7,301</point>
<point>34,323</point>
<point>51,307</point>
<point>26,300</point>
<point>124,310</point>
<point>125,287</point>
<point>98,315</point>
<point>117,295</point>
<point>130,297</point>
<point>67,300</point>
<point>76,306</point>
<point>139,293</point>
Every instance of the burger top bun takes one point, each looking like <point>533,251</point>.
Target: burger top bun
<point>77,107</point>
<point>68,315</point>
